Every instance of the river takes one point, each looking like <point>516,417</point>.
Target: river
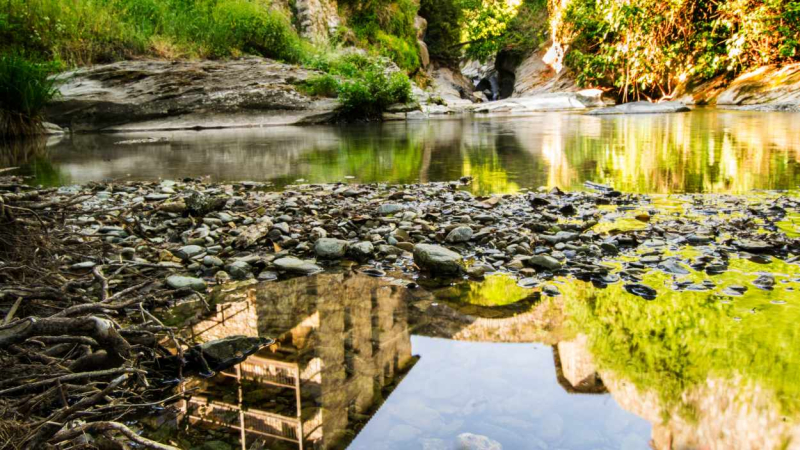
<point>367,363</point>
<point>702,151</point>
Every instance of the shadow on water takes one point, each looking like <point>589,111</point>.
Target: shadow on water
<point>363,363</point>
<point>701,151</point>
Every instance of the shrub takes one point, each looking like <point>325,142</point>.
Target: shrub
<point>369,95</point>
<point>387,25</point>
<point>25,89</point>
<point>321,85</point>
<point>251,27</point>
<point>648,47</point>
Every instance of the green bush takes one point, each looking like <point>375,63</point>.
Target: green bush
<point>252,28</point>
<point>321,85</point>
<point>647,47</point>
<point>387,26</point>
<point>369,95</point>
<point>25,89</point>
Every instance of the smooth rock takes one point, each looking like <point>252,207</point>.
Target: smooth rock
<point>180,282</point>
<point>543,262</point>
<point>298,266</point>
<point>188,252</point>
<point>460,234</point>
<point>239,270</point>
<point>328,248</point>
<point>361,251</point>
<point>437,259</point>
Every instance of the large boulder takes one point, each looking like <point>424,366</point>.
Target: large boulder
<point>438,260</point>
<point>149,95</point>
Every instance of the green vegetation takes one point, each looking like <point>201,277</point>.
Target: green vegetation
<point>25,89</point>
<point>387,26</point>
<point>479,29</point>
<point>88,31</point>
<point>363,84</point>
<point>82,32</point>
<point>647,47</point>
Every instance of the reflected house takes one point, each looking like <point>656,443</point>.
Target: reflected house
<point>342,344</point>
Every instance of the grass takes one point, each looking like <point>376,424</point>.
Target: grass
<point>90,31</point>
<point>25,89</point>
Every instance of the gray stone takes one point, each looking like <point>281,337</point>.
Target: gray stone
<point>170,95</point>
<point>361,251</point>
<point>543,262</point>
<point>390,208</point>
<point>212,261</point>
<point>283,227</point>
<point>291,264</point>
<point>188,252</point>
<point>460,234</point>
<point>437,259</point>
<point>328,248</point>
<point>239,270</point>
<point>181,282</point>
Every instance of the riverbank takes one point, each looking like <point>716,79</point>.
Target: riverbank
<point>96,264</point>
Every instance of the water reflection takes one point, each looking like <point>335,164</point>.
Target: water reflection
<point>342,343</point>
<point>363,364</point>
<point>702,151</point>
<point>342,373</point>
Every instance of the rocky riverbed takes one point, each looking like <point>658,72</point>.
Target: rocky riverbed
<point>202,234</point>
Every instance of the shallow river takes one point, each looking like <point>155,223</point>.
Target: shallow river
<point>702,151</point>
<point>368,363</point>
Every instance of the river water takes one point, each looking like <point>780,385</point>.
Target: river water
<point>369,363</point>
<point>701,151</point>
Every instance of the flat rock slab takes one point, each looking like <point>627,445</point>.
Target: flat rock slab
<point>152,95</point>
<point>641,108</point>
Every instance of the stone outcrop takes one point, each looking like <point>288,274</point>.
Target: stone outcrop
<point>768,88</point>
<point>641,108</point>
<point>162,95</point>
<point>318,20</point>
<point>534,77</point>
<point>421,25</point>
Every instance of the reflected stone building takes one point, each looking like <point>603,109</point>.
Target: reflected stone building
<point>342,343</point>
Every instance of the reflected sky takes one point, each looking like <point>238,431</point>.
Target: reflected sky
<point>508,393</point>
<point>701,151</point>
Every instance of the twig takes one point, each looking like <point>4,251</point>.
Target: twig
<point>109,426</point>
<point>71,377</point>
<point>12,311</point>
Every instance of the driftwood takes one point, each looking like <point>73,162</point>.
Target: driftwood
<point>76,350</point>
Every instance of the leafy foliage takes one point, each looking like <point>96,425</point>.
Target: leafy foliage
<point>647,47</point>
<point>388,27</point>
<point>364,84</point>
<point>478,29</point>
